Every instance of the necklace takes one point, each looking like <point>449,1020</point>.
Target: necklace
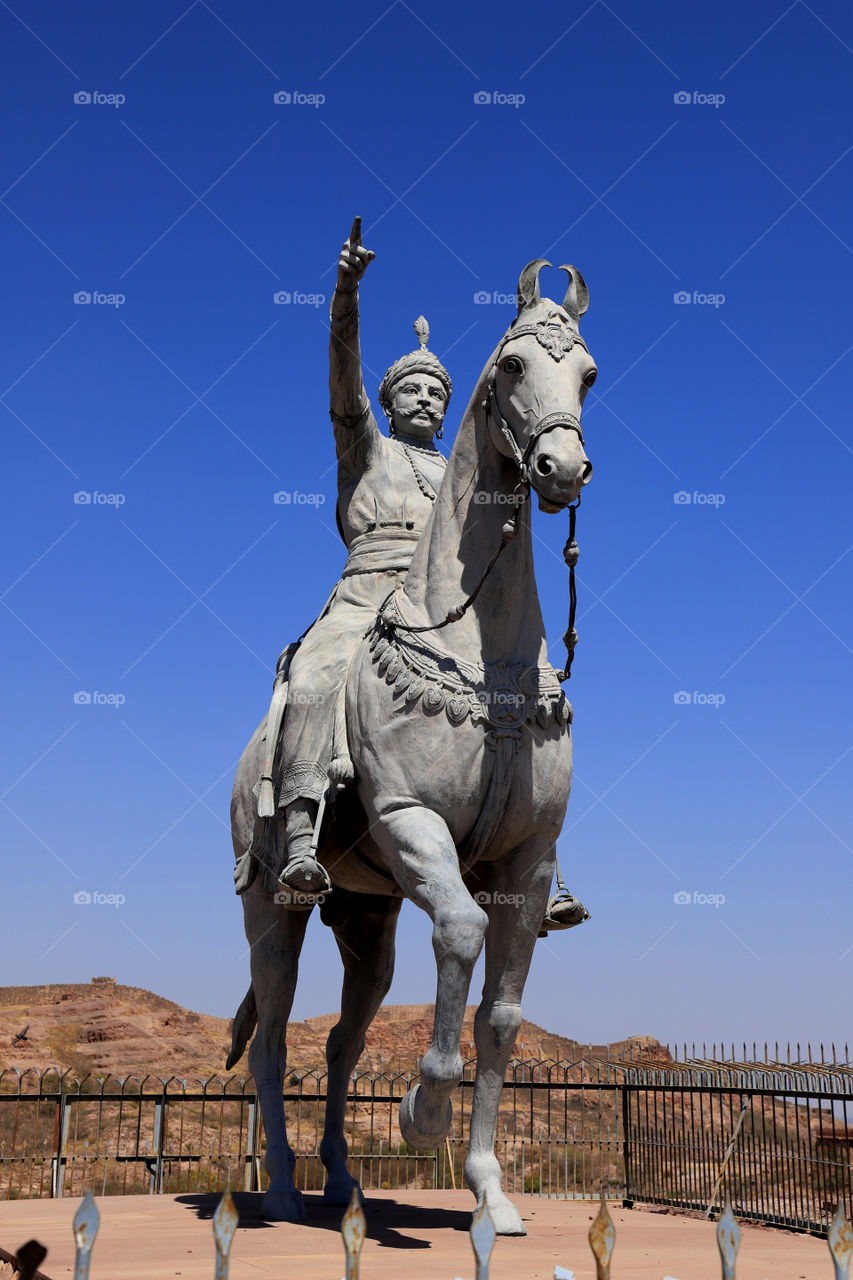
<point>426,487</point>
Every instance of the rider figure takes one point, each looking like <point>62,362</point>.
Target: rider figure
<point>386,488</point>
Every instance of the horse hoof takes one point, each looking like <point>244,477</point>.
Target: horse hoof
<point>338,1191</point>
<point>417,1135</point>
<point>283,1206</point>
<point>504,1215</point>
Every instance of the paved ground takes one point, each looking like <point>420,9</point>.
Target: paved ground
<point>158,1238</point>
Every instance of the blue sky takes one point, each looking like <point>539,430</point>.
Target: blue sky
<point>700,152</point>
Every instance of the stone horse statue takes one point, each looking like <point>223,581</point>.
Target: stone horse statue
<point>457,737</point>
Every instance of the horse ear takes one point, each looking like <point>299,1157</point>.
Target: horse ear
<point>576,300</point>
<point>528,283</point>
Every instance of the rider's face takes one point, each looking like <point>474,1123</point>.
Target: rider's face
<point>417,406</point>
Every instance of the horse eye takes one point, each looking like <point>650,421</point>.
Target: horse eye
<point>590,377</point>
<point>513,365</point>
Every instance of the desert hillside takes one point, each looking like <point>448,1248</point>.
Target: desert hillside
<point>106,1028</point>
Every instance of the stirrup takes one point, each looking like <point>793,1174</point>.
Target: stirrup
<point>563,911</point>
<point>300,871</point>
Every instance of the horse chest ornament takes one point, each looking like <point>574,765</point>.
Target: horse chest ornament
<point>504,697</point>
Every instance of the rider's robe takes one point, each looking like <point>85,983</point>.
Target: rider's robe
<point>383,507</point>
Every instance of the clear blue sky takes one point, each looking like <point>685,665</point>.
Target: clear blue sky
<point>195,399</point>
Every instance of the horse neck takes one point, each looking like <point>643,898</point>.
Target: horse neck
<point>505,621</point>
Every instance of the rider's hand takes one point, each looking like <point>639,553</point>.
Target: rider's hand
<point>354,260</point>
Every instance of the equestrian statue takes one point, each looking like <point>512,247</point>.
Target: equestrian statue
<point>418,741</point>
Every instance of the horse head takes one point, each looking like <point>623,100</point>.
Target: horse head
<point>536,387</point>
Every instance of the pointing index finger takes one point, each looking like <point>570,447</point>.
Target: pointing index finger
<point>355,234</point>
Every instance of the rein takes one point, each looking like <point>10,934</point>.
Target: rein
<point>522,489</point>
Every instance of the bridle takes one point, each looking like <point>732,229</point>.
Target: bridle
<point>551,420</point>
<point>521,495</point>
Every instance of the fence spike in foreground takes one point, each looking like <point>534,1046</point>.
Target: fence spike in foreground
<point>353,1230</point>
<point>840,1238</point>
<point>224,1225</point>
<point>30,1257</point>
<point>602,1238</point>
<point>86,1223</point>
<point>483,1235</point>
<point>728,1241</point>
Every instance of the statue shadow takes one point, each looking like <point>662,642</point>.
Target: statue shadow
<point>387,1220</point>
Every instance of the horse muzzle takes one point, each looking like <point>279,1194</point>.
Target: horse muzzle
<point>557,466</point>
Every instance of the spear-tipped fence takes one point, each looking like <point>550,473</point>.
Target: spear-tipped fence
<point>775,1135</point>
<point>602,1240</point>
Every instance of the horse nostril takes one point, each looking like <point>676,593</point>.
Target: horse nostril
<point>586,474</point>
<point>543,465</point>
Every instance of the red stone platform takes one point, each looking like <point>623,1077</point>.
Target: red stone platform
<point>418,1235</point>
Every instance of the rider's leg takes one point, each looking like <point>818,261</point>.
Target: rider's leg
<point>303,873</point>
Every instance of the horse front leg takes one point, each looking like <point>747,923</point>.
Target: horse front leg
<point>276,936</point>
<point>424,862</point>
<point>366,942</point>
<point>518,891</point>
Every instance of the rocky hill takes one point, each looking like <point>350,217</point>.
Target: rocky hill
<point>106,1028</point>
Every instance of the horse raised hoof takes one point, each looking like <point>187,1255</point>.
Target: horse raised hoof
<point>417,1132</point>
<point>283,1206</point>
<point>338,1191</point>
<point>504,1215</point>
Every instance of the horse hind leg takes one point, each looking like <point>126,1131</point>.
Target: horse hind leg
<point>366,943</point>
<point>276,936</point>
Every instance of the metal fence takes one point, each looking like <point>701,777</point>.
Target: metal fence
<point>772,1137</point>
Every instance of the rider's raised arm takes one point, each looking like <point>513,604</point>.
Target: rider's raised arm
<point>348,399</point>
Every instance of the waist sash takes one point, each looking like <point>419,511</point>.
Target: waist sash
<point>379,550</point>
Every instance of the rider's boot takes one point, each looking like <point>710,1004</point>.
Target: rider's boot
<point>563,911</point>
<point>303,873</point>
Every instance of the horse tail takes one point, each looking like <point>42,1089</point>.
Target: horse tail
<point>245,1021</point>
